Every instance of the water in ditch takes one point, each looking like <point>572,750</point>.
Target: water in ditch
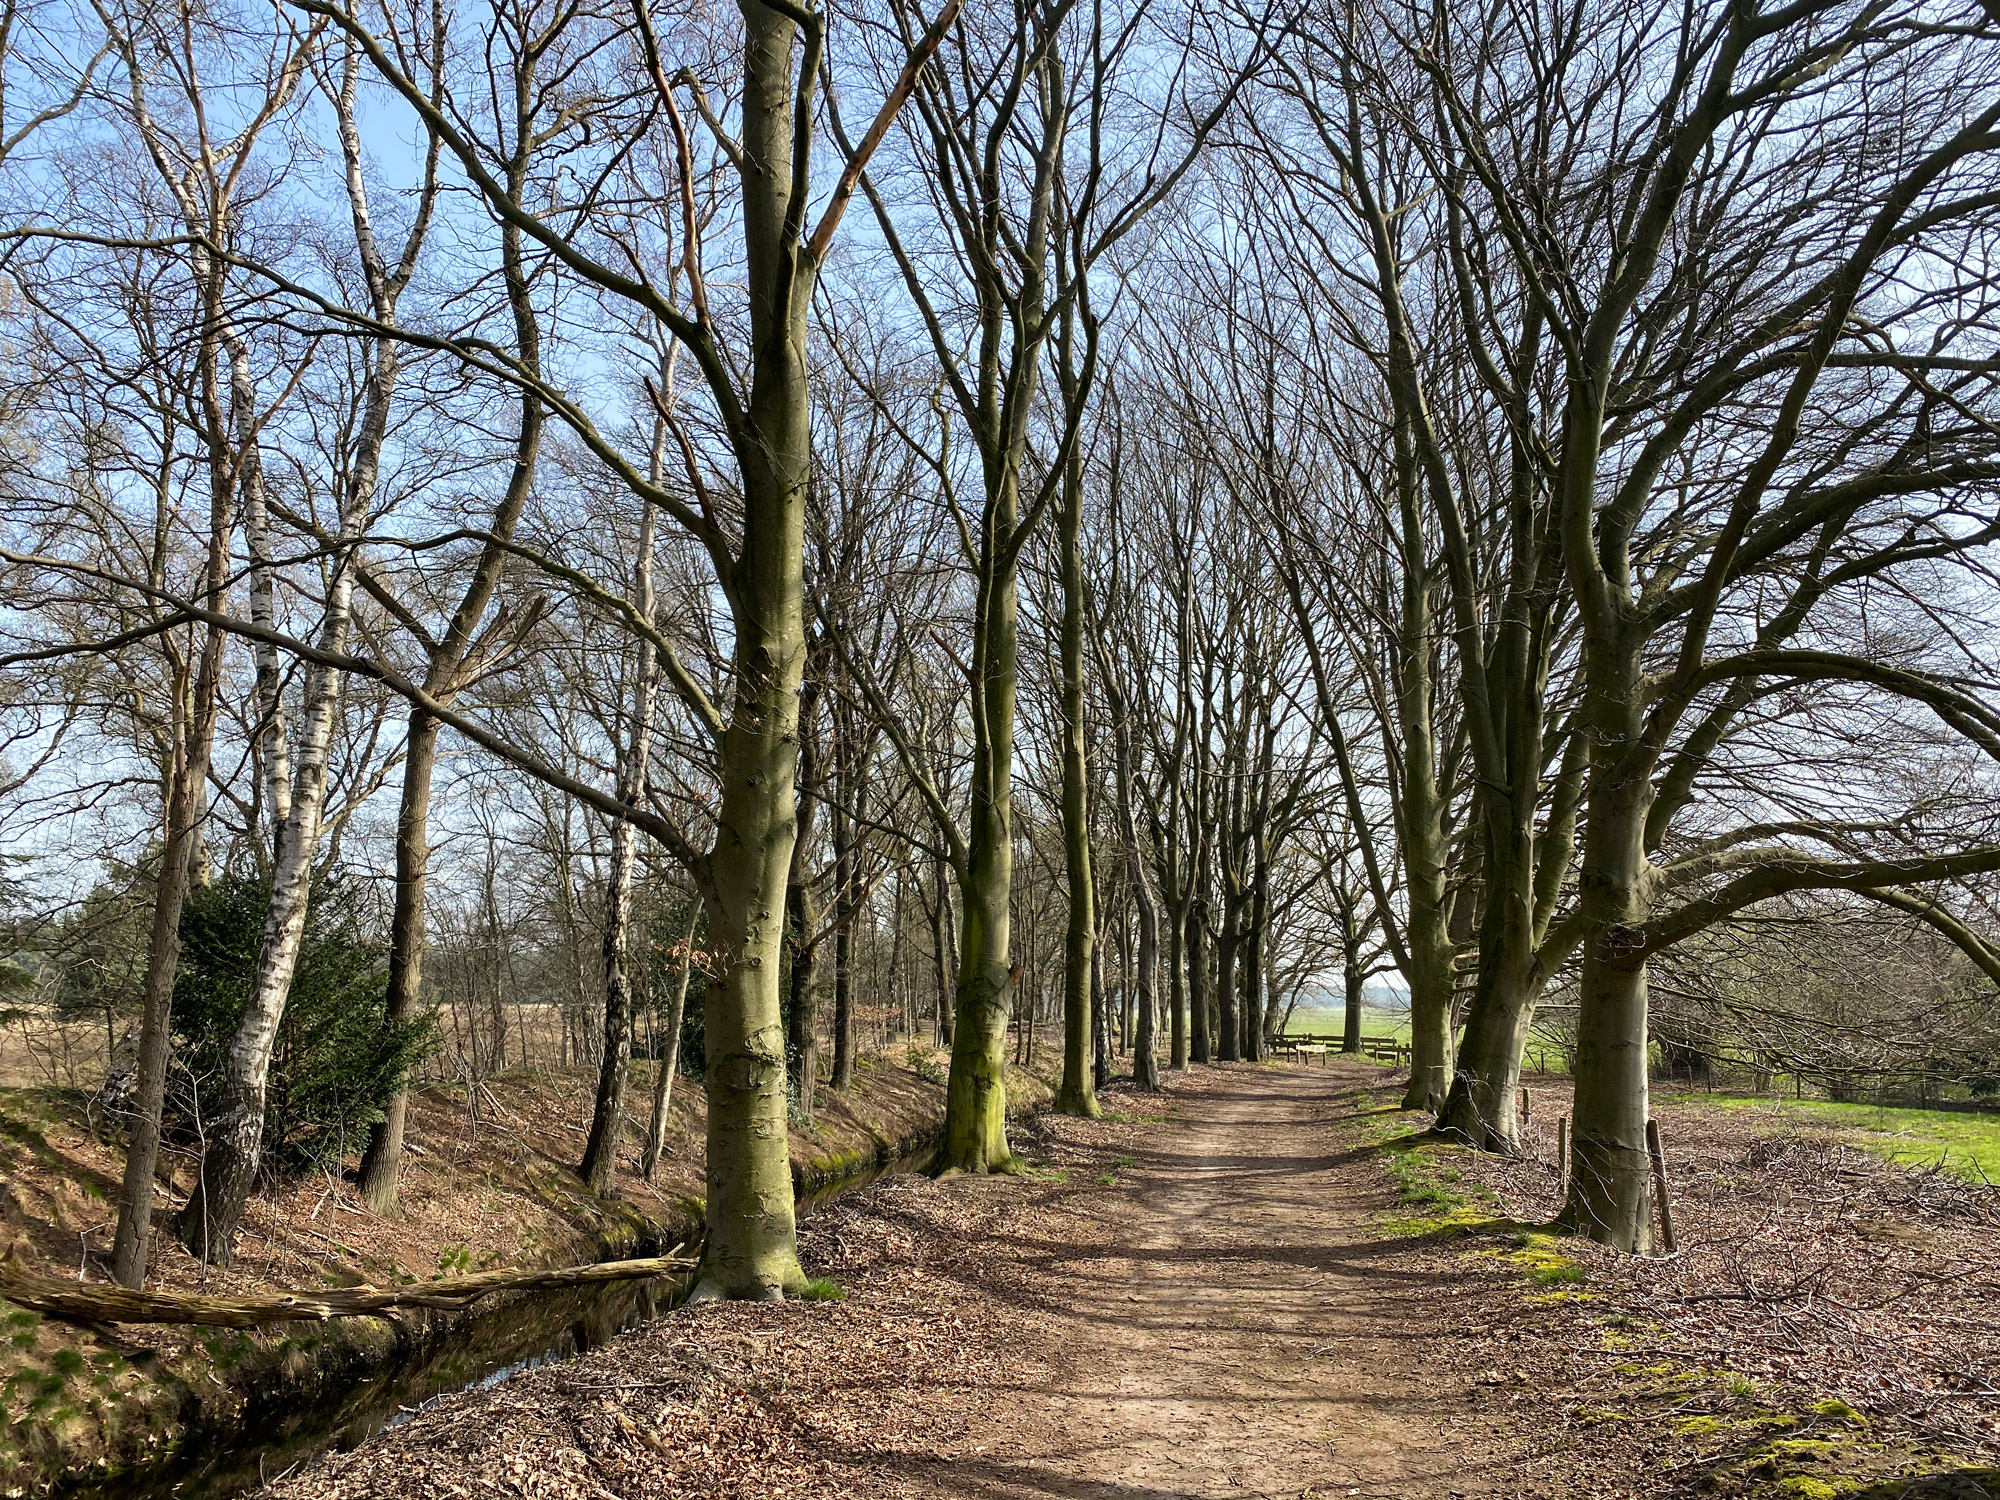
<point>282,1429</point>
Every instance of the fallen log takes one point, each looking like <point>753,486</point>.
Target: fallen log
<point>102,1302</point>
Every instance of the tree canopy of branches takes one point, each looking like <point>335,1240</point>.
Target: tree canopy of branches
<point>1355,506</point>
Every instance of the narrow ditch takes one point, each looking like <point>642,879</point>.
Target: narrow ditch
<point>282,1426</point>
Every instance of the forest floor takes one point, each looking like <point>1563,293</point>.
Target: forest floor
<point>1264,1282</point>
<point>490,1182</point>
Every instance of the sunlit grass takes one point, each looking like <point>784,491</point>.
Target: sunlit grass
<point>1962,1141</point>
<point>1329,1021</point>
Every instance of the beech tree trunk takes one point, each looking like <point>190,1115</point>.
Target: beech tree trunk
<point>1610,1170</point>
<point>1078,1093</point>
<point>382,1160</point>
<point>942,928</point>
<point>846,911</point>
<point>193,738</point>
<point>1197,977</point>
<point>1228,980</point>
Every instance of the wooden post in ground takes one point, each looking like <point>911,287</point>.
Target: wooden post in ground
<point>1667,1239</point>
<point>1524,1106</point>
<point>1562,1153</point>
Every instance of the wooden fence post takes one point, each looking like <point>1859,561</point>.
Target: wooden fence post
<point>1660,1186</point>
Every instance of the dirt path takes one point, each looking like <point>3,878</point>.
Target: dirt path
<point>1203,1303</point>
<point>1197,1304</point>
<point>1238,1330</point>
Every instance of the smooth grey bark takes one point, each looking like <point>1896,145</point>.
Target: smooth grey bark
<point>1077,1094</point>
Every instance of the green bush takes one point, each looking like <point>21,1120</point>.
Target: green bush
<point>664,925</point>
<point>337,1061</point>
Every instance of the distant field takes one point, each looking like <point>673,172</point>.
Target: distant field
<point>1961,1141</point>
<point>1323,1020</point>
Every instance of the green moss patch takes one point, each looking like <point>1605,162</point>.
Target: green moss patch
<point>1823,1454</point>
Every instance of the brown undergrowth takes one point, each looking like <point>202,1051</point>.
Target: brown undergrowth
<point>1805,1345</point>
<point>1827,1330</point>
<point>1830,1325</point>
<point>867,1390</point>
<point>489,1182</point>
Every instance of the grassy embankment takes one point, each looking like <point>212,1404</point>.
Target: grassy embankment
<point>490,1182</point>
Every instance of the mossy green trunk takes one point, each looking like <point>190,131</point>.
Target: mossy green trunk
<point>975,1128</point>
<point>752,1245</point>
<point>975,1124</point>
<point>1610,1180</point>
<point>1481,1106</point>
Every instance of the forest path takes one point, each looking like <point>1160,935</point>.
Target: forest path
<point>1234,1326</point>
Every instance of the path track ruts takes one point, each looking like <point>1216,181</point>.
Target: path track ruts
<point>1240,1331</point>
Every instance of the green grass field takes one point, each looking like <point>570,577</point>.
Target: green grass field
<point>1328,1021</point>
<point>1963,1142</point>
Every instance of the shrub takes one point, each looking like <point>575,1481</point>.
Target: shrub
<point>337,1061</point>
<point>664,925</point>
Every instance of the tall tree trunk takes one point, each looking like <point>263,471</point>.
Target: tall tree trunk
<point>382,1160</point>
<point>668,1065</point>
<point>1100,1020</point>
<point>942,928</point>
<point>1427,936</point>
<point>1228,980</point>
<point>1351,983</point>
<point>802,916</point>
<point>1481,1107</point>
<point>1253,958</point>
<point>607,1118</point>
<point>1609,1168</point>
<point>1078,1094</point>
<point>1197,975</point>
<point>183,856</point>
<point>1145,1038</point>
<point>802,1040</point>
<point>975,1121</point>
<point>186,808</point>
<point>1145,1047</point>
<point>843,998</point>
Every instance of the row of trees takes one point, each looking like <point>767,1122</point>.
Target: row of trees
<point>1499,497</point>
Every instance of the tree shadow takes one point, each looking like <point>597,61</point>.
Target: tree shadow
<point>1954,1484</point>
